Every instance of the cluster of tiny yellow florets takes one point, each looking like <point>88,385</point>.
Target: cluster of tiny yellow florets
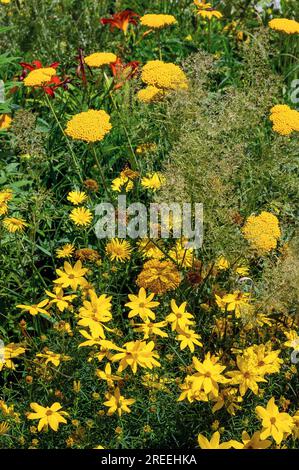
<point>167,76</point>
<point>100,58</point>
<point>150,94</point>
<point>40,76</point>
<point>285,25</point>
<point>161,77</point>
<point>157,21</point>
<point>90,126</point>
<point>285,120</point>
<point>262,231</point>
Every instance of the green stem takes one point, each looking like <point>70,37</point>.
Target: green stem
<point>133,161</point>
<point>77,166</point>
<point>99,166</point>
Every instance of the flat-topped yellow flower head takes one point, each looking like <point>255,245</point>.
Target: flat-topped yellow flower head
<point>157,21</point>
<point>164,75</point>
<point>98,59</point>
<point>40,76</point>
<point>284,25</point>
<point>90,126</point>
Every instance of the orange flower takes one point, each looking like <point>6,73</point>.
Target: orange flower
<point>121,20</point>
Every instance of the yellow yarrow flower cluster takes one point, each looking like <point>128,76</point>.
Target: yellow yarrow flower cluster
<point>167,76</point>
<point>150,94</point>
<point>285,120</point>
<point>285,25</point>
<point>262,231</point>
<point>90,126</point>
<point>100,58</point>
<point>39,76</point>
<point>161,77</point>
<point>5,121</point>
<point>157,21</point>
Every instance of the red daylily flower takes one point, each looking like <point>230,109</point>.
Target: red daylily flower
<point>123,72</point>
<point>55,81</point>
<point>121,20</point>
<point>36,64</point>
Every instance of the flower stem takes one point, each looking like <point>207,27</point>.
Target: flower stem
<point>133,159</point>
<point>76,163</point>
<point>99,166</point>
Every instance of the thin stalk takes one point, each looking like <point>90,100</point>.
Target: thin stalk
<point>99,166</point>
<point>77,166</point>
<point>133,161</point>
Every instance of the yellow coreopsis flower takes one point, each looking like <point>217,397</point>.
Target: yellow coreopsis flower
<point>263,358</point>
<point>136,353</point>
<point>274,423</point>
<point>296,425</point>
<point>149,328</point>
<point>233,302</point>
<point>48,416</point>
<point>76,197</point>
<point>179,317</point>
<point>214,443</point>
<point>57,297</point>
<point>72,276</point>
<point>36,308</point>
<point>247,377</point>
<point>53,357</point>
<point>95,312</point>
<point>117,403</point>
<point>254,442</point>
<point>208,375</point>
<point>188,338</point>
<point>153,181</point>
<point>142,305</point>
<point>107,375</point>
<point>7,354</point>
